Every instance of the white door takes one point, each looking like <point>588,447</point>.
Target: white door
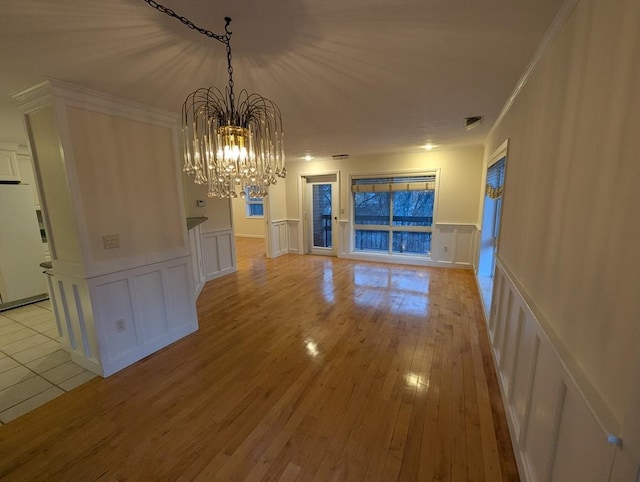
<point>320,215</point>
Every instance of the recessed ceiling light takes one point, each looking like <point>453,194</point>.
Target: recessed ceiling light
<point>307,157</point>
<point>429,146</point>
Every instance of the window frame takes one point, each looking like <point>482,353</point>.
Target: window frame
<point>391,228</point>
<point>252,201</point>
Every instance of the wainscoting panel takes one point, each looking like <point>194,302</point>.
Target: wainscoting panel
<point>118,330</point>
<point>279,238</point>
<point>523,371</point>
<point>72,309</point>
<point>218,253</point>
<point>454,244</point>
<point>579,433</point>
<point>556,433</point>
<point>197,260</point>
<point>546,400</point>
<point>111,321</point>
<point>346,245</point>
<point>178,304</point>
<point>151,314</point>
<point>294,240</point>
<point>141,310</point>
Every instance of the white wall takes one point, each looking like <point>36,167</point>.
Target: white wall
<point>118,174</point>
<point>243,225</point>
<point>455,228</point>
<point>569,231</point>
<point>460,176</point>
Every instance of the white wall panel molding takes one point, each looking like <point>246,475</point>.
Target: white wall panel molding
<point>218,248</point>
<point>346,241</point>
<point>75,321</point>
<point>454,245</point>
<point>197,260</point>
<point>112,321</point>
<point>293,235</point>
<point>560,428</point>
<point>279,230</point>
<point>139,311</point>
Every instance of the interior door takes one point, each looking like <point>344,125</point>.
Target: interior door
<point>321,215</point>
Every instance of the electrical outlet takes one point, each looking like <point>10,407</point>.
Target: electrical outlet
<point>446,248</point>
<point>120,326</point>
<point>111,241</point>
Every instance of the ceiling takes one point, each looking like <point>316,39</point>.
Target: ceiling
<point>350,76</point>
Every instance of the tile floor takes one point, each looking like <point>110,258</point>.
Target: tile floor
<point>33,366</point>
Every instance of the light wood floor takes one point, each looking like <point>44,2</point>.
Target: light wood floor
<point>304,368</point>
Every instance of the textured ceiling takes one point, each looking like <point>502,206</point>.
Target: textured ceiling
<point>350,76</point>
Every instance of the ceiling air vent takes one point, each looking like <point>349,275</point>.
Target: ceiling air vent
<point>340,156</point>
<point>471,122</point>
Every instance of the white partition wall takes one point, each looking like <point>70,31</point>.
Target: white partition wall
<point>122,280</point>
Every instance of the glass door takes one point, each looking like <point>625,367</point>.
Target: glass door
<point>320,217</point>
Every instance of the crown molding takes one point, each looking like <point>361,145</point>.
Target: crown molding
<point>565,11</point>
<point>51,90</point>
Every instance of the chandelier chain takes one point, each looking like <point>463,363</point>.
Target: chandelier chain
<point>220,38</point>
<point>225,39</point>
<point>232,96</point>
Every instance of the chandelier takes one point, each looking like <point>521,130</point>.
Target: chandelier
<point>232,144</point>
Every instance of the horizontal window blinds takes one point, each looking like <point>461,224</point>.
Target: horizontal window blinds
<point>495,179</point>
<point>396,183</point>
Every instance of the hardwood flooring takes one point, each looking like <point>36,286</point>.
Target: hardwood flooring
<point>304,368</point>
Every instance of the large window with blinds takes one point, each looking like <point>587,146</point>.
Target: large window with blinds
<point>393,214</point>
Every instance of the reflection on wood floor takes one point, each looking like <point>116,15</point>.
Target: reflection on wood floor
<point>304,368</point>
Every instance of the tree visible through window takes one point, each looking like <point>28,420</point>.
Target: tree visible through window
<point>394,214</point>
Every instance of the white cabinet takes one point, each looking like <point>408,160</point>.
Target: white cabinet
<point>8,166</point>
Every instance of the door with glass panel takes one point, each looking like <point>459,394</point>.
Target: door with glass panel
<point>320,215</point>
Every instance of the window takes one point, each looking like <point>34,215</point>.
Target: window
<point>393,215</point>
<point>255,205</point>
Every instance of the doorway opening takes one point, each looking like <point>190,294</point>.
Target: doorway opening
<point>491,217</point>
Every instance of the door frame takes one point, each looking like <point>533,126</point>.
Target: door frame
<point>302,224</point>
